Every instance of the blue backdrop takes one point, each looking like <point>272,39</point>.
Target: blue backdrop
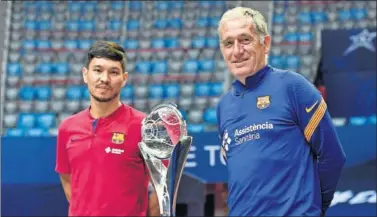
<point>349,71</point>
<point>31,187</point>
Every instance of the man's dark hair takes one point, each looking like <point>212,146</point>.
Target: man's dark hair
<point>109,50</point>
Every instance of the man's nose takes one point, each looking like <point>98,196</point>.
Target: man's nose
<point>238,49</point>
<point>104,77</point>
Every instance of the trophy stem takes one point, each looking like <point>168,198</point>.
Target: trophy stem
<point>163,200</point>
<point>158,173</point>
<point>166,180</point>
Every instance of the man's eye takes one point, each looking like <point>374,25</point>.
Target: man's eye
<point>96,70</point>
<point>245,40</point>
<point>227,43</point>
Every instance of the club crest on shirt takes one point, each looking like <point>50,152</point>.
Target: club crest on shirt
<point>263,102</point>
<point>117,138</point>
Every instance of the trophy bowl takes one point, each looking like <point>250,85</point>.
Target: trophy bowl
<point>162,130</point>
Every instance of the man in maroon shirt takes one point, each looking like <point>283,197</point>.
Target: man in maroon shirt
<point>98,158</point>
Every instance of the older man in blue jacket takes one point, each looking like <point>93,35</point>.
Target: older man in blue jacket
<point>283,155</point>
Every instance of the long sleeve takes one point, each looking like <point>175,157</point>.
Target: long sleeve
<point>312,116</point>
<point>220,133</point>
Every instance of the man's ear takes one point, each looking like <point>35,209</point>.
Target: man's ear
<point>125,78</point>
<point>84,71</point>
<point>267,44</point>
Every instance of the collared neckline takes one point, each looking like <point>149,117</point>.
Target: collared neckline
<point>110,117</point>
<point>251,82</point>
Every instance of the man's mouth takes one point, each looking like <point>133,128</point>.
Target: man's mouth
<point>239,61</point>
<point>103,87</point>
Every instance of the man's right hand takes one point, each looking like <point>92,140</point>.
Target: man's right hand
<point>153,206</point>
<point>66,183</point>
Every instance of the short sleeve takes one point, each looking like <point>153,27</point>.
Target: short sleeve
<point>62,163</point>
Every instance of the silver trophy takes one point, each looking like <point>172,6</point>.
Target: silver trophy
<point>164,137</point>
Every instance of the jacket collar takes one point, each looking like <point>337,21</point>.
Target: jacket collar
<point>251,82</point>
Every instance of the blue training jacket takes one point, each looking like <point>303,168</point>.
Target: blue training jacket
<point>283,155</point>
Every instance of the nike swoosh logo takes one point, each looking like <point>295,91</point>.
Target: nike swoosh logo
<point>311,107</point>
<point>75,138</point>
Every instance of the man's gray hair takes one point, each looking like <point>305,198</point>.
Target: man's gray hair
<point>256,18</point>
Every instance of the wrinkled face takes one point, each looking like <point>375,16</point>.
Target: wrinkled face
<point>105,78</point>
<point>241,48</point>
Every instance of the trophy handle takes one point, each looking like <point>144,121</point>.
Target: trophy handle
<point>175,169</point>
